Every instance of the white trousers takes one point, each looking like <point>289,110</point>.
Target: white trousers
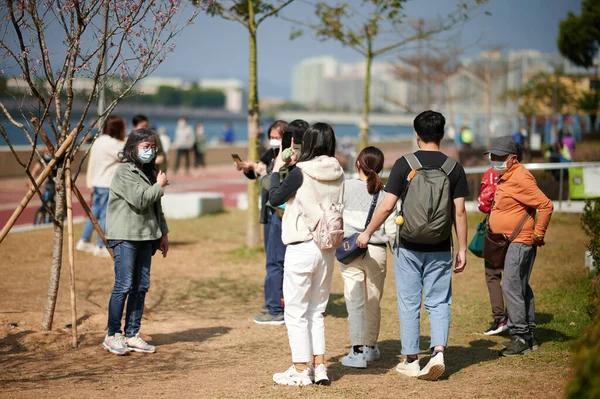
<point>363,288</point>
<point>306,286</point>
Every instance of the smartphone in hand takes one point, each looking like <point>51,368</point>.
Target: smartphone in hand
<point>236,158</point>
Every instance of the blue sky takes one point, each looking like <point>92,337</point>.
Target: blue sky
<point>216,48</point>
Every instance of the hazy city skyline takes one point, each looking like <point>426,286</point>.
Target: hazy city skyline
<point>514,24</point>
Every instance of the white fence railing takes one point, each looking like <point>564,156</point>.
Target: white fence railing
<point>470,170</point>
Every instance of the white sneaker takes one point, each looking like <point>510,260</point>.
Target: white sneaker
<point>115,344</point>
<point>137,344</point>
<point>372,354</point>
<point>409,369</point>
<point>356,360</point>
<point>83,246</point>
<point>319,375</point>
<point>101,252</point>
<point>292,377</point>
<point>434,369</point>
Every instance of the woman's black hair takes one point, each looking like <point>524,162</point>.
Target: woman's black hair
<point>129,153</point>
<point>319,139</point>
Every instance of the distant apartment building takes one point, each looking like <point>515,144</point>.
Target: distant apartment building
<point>475,89</point>
<point>309,77</point>
<point>236,98</point>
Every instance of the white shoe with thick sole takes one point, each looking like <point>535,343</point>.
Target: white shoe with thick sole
<point>83,246</point>
<point>115,344</point>
<point>434,368</point>
<point>319,375</point>
<point>356,360</point>
<point>372,354</point>
<point>292,377</point>
<point>409,369</point>
<point>137,344</point>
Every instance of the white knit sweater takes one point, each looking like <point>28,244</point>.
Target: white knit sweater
<point>357,202</point>
<point>322,180</point>
<point>104,159</point>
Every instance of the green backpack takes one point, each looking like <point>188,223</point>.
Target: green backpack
<point>427,203</point>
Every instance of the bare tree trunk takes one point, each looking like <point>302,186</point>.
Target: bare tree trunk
<point>363,136</point>
<point>252,229</point>
<point>57,251</point>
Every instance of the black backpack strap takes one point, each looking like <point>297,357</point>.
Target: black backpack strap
<point>413,162</point>
<point>449,165</point>
<point>371,210</point>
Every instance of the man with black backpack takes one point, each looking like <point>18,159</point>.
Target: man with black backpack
<point>433,188</point>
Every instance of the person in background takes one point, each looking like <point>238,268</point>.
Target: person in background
<point>253,170</point>
<point>519,137</point>
<point>165,140</point>
<point>313,185</point>
<point>161,154</point>
<point>200,145</point>
<point>568,147</point>
<point>42,216</point>
<point>466,137</point>
<point>185,140</point>
<point>276,249</point>
<point>364,277</point>
<point>493,276</point>
<point>517,194</point>
<point>423,267</point>
<point>228,136</point>
<point>135,229</point>
<point>140,122</point>
<point>103,162</point>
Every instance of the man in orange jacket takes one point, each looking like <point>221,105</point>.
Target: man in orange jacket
<point>517,194</point>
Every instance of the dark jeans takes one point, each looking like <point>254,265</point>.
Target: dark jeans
<point>274,277</point>
<point>493,278</point>
<point>132,281</point>
<point>198,157</point>
<point>185,153</point>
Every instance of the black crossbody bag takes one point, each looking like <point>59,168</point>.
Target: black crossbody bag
<point>349,250</point>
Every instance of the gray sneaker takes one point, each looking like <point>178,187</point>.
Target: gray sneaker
<point>137,344</point>
<point>270,320</point>
<point>115,344</point>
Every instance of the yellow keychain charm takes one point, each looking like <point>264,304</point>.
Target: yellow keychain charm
<point>400,220</point>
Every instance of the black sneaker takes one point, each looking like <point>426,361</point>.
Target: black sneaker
<point>497,327</point>
<point>518,346</point>
<point>533,344</point>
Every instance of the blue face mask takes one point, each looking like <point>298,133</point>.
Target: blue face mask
<point>146,156</point>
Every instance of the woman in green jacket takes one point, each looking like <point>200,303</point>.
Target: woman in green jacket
<point>135,229</point>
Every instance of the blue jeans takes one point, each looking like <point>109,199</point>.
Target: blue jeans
<point>132,281</point>
<point>275,259</point>
<point>416,272</point>
<point>99,204</point>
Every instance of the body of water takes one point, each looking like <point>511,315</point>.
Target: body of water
<point>214,128</point>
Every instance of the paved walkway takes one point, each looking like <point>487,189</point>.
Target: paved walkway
<point>220,179</point>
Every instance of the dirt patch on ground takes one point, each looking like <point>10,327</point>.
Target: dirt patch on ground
<point>203,298</point>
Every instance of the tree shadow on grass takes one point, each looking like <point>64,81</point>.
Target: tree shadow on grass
<point>195,335</point>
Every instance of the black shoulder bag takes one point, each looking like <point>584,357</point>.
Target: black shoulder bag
<point>349,250</point>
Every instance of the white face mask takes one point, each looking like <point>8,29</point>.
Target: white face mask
<point>500,166</point>
<point>275,143</point>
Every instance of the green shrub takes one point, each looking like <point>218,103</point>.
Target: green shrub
<point>590,221</point>
<point>585,379</point>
